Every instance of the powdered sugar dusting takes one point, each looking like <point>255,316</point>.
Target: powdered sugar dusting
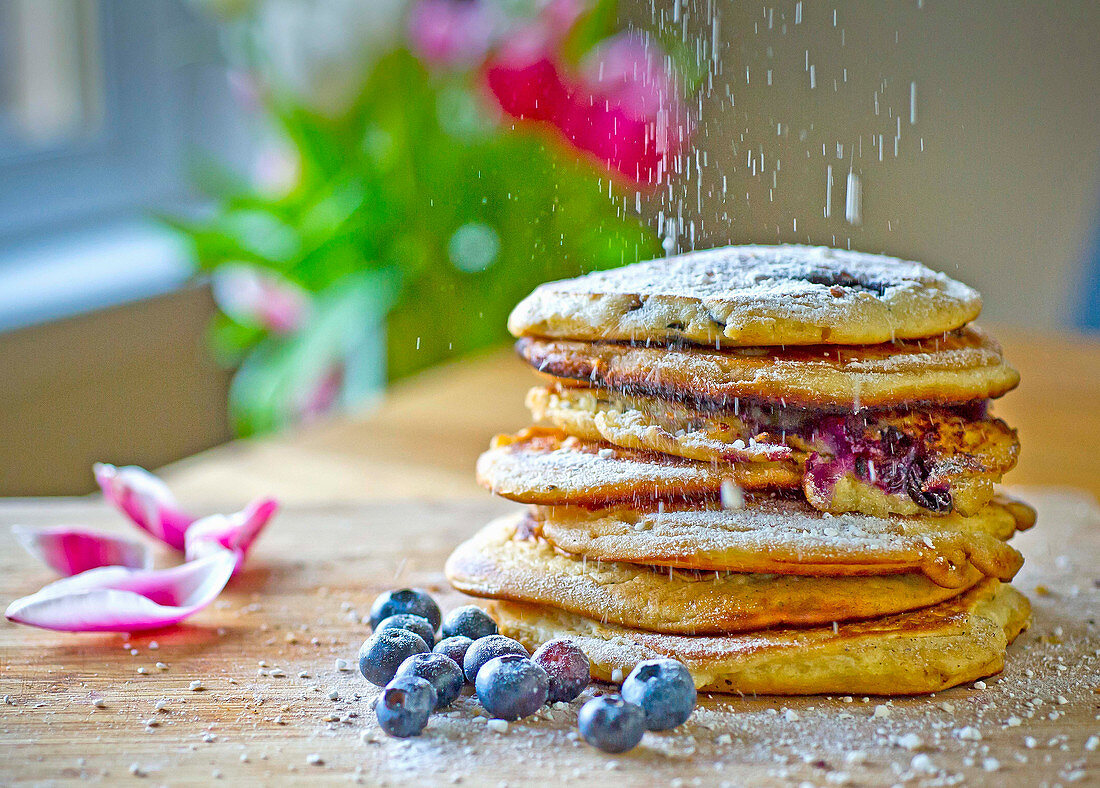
<point>961,366</point>
<point>789,536</point>
<point>501,562</point>
<point>768,275</point>
<point>549,467</point>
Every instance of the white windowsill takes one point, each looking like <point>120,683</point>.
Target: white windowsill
<point>83,271</point>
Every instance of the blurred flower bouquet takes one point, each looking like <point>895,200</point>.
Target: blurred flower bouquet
<point>427,164</point>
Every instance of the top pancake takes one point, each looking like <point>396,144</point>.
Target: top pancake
<point>752,295</point>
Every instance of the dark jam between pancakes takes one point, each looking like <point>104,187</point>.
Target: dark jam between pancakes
<point>870,445</point>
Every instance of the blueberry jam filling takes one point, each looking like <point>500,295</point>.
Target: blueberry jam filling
<point>886,458</point>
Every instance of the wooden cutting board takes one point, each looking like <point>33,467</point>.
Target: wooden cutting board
<point>274,707</point>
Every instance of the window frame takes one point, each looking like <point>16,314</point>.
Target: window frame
<point>154,113</point>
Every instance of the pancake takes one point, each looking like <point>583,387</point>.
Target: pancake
<point>957,641</point>
<point>960,366</point>
<point>503,561</point>
<point>752,295</point>
<point>788,537</point>
<point>546,466</point>
<point>932,462</point>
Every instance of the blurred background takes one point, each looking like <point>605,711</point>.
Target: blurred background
<point>232,217</point>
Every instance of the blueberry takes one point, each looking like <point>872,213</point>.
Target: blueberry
<point>664,690</point>
<point>408,600</point>
<point>469,620</point>
<point>511,687</point>
<point>454,647</point>
<point>383,652</point>
<point>566,665</point>
<point>403,706</point>
<point>418,625</point>
<point>484,649</point>
<point>936,498</point>
<point>611,724</point>
<point>439,670</point>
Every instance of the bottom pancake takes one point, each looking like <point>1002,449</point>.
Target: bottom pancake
<point>504,561</point>
<point>928,650</point>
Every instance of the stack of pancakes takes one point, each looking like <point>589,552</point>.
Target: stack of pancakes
<point>776,464</point>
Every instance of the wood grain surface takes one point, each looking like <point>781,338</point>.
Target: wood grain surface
<point>274,708</point>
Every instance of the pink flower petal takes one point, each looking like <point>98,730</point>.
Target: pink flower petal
<point>527,79</point>
<point>117,599</point>
<point>70,551</point>
<point>255,296</point>
<point>321,395</point>
<point>630,72</point>
<point>146,500</point>
<point>233,532</point>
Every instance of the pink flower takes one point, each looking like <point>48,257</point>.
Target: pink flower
<point>451,33</point>
<point>622,143</point>
<point>146,500</point>
<point>624,108</point>
<point>70,551</point>
<point>322,394</point>
<point>253,296</point>
<point>630,73</point>
<point>234,532</point>
<point>120,599</point>
<point>633,119</point>
<point>526,80</point>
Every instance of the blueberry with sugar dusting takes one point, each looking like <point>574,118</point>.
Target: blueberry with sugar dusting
<point>665,691</point>
<point>383,652</point>
<point>454,647</point>
<point>418,625</point>
<point>484,649</point>
<point>566,665</point>
<point>407,600</point>
<point>611,724</point>
<point>511,687</point>
<point>469,620</point>
<point>439,670</point>
<point>404,705</point>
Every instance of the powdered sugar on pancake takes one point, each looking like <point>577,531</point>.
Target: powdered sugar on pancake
<point>752,295</point>
<point>960,366</point>
<point>771,274</point>
<point>922,651</point>
<point>547,466</point>
<point>656,425</point>
<point>776,535</point>
<point>500,562</point>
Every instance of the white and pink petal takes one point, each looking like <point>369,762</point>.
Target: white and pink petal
<point>234,532</point>
<point>119,599</point>
<point>146,500</point>
<point>70,550</point>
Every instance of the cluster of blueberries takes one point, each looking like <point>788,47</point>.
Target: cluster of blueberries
<point>420,675</point>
